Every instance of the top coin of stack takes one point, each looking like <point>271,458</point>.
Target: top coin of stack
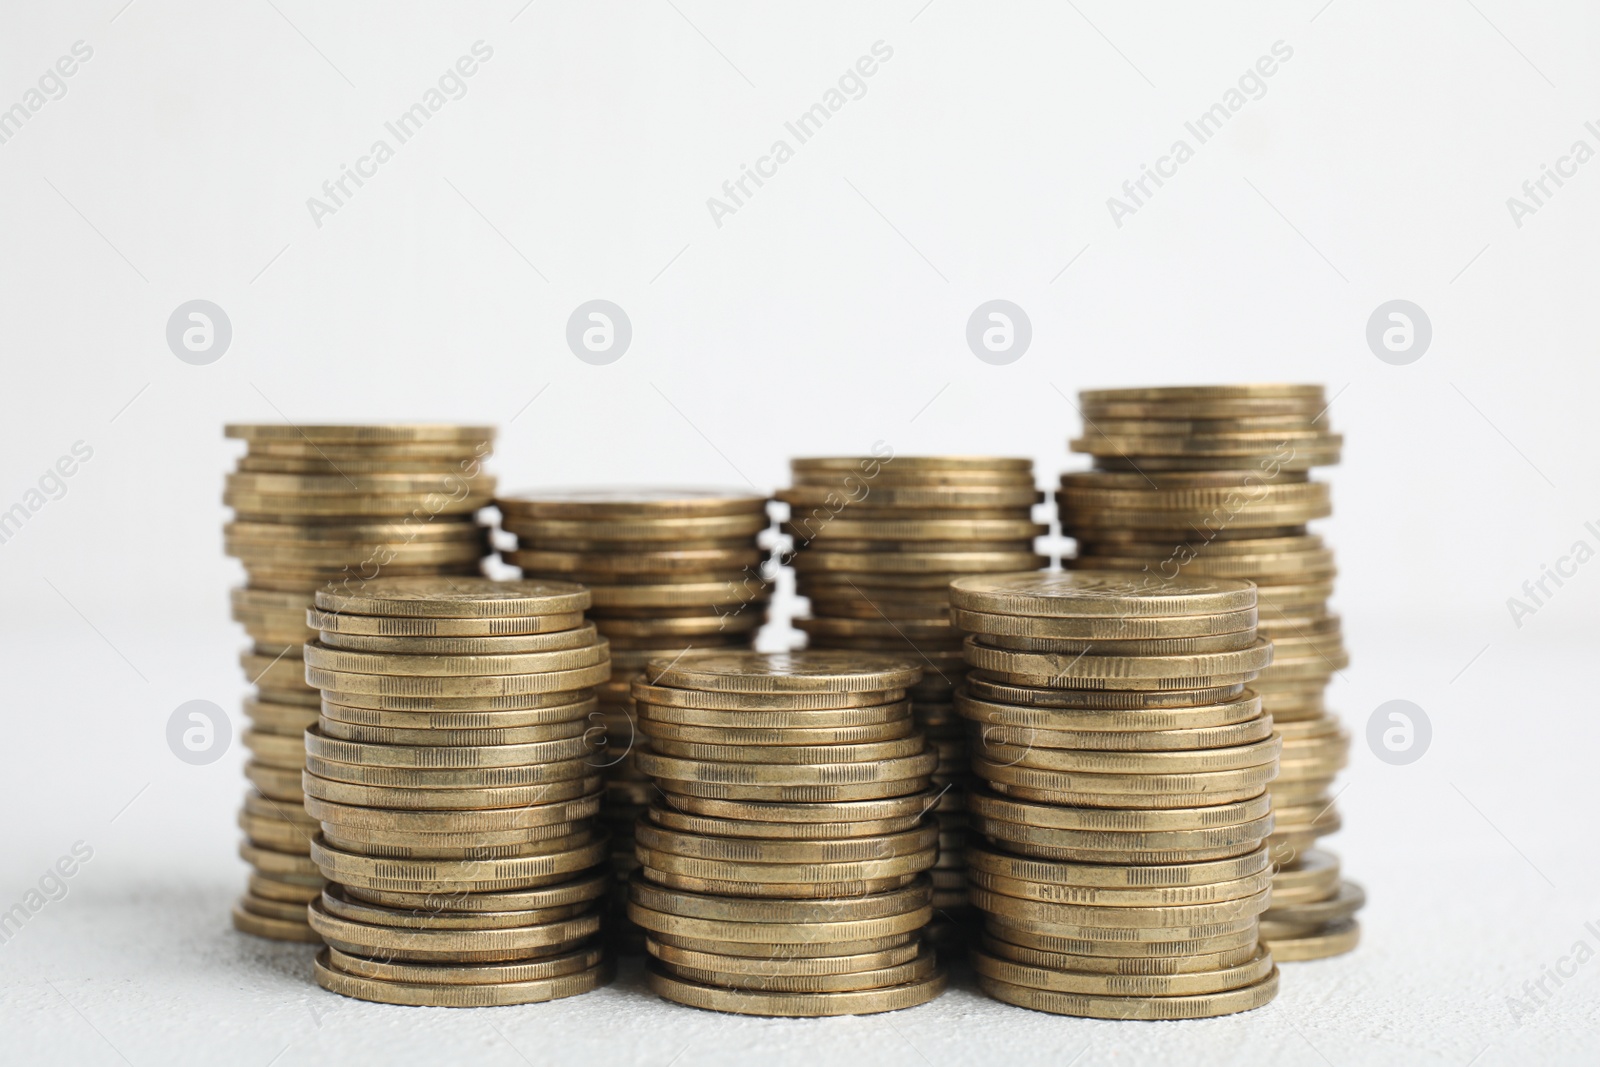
<point>319,506</point>
<point>451,777</point>
<point>668,570</point>
<point>782,870</point>
<point>876,541</point>
<point>1126,769</point>
<point>1212,481</point>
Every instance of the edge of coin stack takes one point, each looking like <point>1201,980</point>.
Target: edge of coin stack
<point>1214,480</point>
<point>1125,768</point>
<point>875,541</point>
<point>668,570</point>
<point>314,507</point>
<point>783,870</point>
<point>450,775</point>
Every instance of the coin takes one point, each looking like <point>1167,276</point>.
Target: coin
<point>455,598</point>
<point>795,1005</point>
<point>991,805</point>
<point>457,994</point>
<point>277,929</point>
<point>1333,939</point>
<point>785,672</point>
<point>1086,593</point>
<point>779,962</point>
<point>438,433</point>
<point>435,798</point>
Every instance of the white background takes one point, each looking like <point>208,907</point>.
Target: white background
<point>827,313</point>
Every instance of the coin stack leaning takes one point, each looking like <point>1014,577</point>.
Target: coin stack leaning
<point>783,867</point>
<point>452,781</point>
<point>668,570</point>
<point>1213,481</point>
<point>314,507</point>
<point>875,543</point>
<point>1125,768</point>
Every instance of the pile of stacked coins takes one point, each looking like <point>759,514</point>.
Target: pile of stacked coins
<point>1213,481</point>
<point>668,570</point>
<point>315,507</point>
<point>876,541</point>
<point>451,778</point>
<point>782,869</point>
<point>1125,769</point>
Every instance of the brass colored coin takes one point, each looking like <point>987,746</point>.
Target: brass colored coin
<point>333,729</point>
<point>456,598</point>
<point>1081,667</point>
<point>284,890</point>
<point>881,846</point>
<point>750,589</point>
<point>554,641</point>
<point>457,994</point>
<point>445,799</point>
<point>366,434</point>
<point>448,945</point>
<point>1086,593</point>
<point>279,835</point>
<point>474,974</point>
<point>848,529</point>
<point>452,777</point>
<point>1255,754</point>
<point>1335,939</point>
<point>971,496</point>
<point>761,738</point>
<point>534,709</point>
<point>1198,394</point>
<point>276,929</point>
<point>1122,877</point>
<point>910,806</point>
<point>580,889</point>
<point>766,873</point>
<point>1348,900</point>
<point>814,561</point>
<point>888,477</point>
<point>784,672</point>
<point>1103,702</point>
<point>904,629</point>
<point>918,969</point>
<point>681,791</point>
<point>1256,969</point>
<point>755,951</point>
<point>666,530</point>
<point>503,820</point>
<point>799,774</point>
<point>676,560</point>
<point>1156,950</point>
<point>267,908</point>
<point>321,656</point>
<point>333,622</point>
<point>795,1005</point>
<point>339,905</point>
<point>404,534</point>
<point>775,934</point>
<point>870,465</point>
<point>267,808</point>
<point>1239,784</point>
<point>457,686</point>
<point>1158,646</point>
<point>278,783</point>
<point>284,719</point>
<point>1118,965</point>
<point>1003,743</point>
<point>871,751</point>
<point>265,505</point>
<point>1122,918</point>
<point>441,756</point>
<point>432,876</point>
<point>1049,817</point>
<point>779,963</point>
<point>632,504</point>
<point>1314,875</point>
<point>277,864</point>
<point>910,898</point>
<point>479,844</point>
<point>275,750</point>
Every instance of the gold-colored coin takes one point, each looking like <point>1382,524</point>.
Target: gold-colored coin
<point>1189,983</point>
<point>278,864</point>
<point>1080,667</point>
<point>918,969</point>
<point>1157,949</point>
<point>478,844</point>
<point>969,496</point>
<point>1198,394</point>
<point>1335,939</point>
<point>285,719</point>
<point>448,945</point>
<point>909,806</point>
<point>1239,784</point>
<point>578,890</point>
<point>425,798</point>
<point>541,709</point>
<point>341,661</point>
<point>275,750</point>
<point>1110,706</point>
<point>682,791</point>
<point>774,934</point>
<point>784,672</point>
<point>464,499</point>
<point>1086,593</point>
<point>1346,901</point>
<point>333,622</point>
<point>1157,646</point>
<point>362,434</point>
<point>267,808</point>
<point>1255,754</point>
<point>453,777</point>
<point>267,908</point>
<point>850,529</point>
<point>795,1005</point>
<point>380,735</point>
<point>504,820</point>
<point>871,751</point>
<point>285,890</point>
<point>1004,743</point>
<point>766,873</point>
<point>1118,965</point>
<point>340,905</point>
<point>474,974</point>
<point>677,560</point>
<point>666,530</point>
<point>779,962</point>
<point>871,465</point>
<point>632,504</point>
<point>989,805</point>
<point>882,846</point>
<point>277,834</point>
<point>456,598</point>
<point>409,533</point>
<point>432,876</point>
<point>553,641</point>
<point>1089,1006</point>
<point>348,683</point>
<point>278,783</point>
<point>458,994</point>
<point>746,950</point>
<point>910,898</point>
<point>749,591</point>
<point>274,928</point>
<point>815,561</point>
<point>798,774</point>
<point>761,738</point>
<point>1122,918</point>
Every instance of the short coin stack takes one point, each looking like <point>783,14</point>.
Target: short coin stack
<point>320,506</point>
<point>1213,481</point>
<point>783,869</point>
<point>668,570</point>
<point>452,780</point>
<point>876,541</point>
<point>1125,806</point>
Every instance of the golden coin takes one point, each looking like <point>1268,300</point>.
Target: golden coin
<point>1349,899</point>
<point>677,560</point>
<point>1122,918</point>
<point>1081,666</point>
<point>779,962</point>
<point>1335,939</point>
<point>1239,784</point>
<point>338,904</point>
<point>1245,937</point>
<point>680,791</point>
<point>463,499</point>
<point>456,598</point>
<point>452,777</point>
<point>431,876</point>
<point>278,783</point>
<point>746,950</point>
<point>379,735</point>
<point>277,864</point>
<point>276,929</point>
<point>1254,754</point>
<point>1104,705</point>
<point>373,434</point>
<point>333,622</point>
<point>275,750</point>
<point>284,890</point>
<point>558,640</point>
<point>815,561</point>
<point>795,774</point>
<point>989,805</point>
<point>1086,593</point>
<point>516,718</point>
<point>795,1005</point>
<point>478,844</point>
<point>1122,877</point>
<point>341,661</point>
<point>773,933</point>
<point>784,891</point>
<point>423,798</point>
<point>503,820</point>
<point>475,974</point>
<point>457,686</point>
<point>848,529</point>
<point>285,719</point>
<point>1157,646</point>
<point>1003,743</point>
<point>904,629</point>
<point>869,465</point>
<point>1190,983</point>
<point>277,834</point>
<point>448,945</point>
<point>1195,394</point>
<point>881,846</point>
<point>630,530</point>
<point>267,908</point>
<point>458,994</point>
<point>265,807</point>
<point>1199,1006</point>
<point>783,672</point>
<point>582,888</point>
<point>971,496</point>
<point>871,751</point>
<point>1313,875</point>
<point>767,873</point>
<point>918,969</point>
<point>1119,965</point>
<point>909,806</point>
<point>629,503</point>
<point>894,902</point>
<point>732,736</point>
<point>729,596</point>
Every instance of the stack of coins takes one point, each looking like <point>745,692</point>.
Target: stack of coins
<point>1213,481</point>
<point>875,543</point>
<point>315,507</point>
<point>668,570</point>
<point>450,774</point>
<point>782,869</point>
<point>1125,768</point>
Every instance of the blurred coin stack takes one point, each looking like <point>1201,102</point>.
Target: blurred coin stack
<point>782,868</point>
<point>1214,481</point>
<point>1125,768</point>
<point>452,780</point>
<point>668,570</point>
<point>876,541</point>
<point>316,507</point>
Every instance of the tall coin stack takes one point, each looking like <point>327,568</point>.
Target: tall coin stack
<point>1213,481</point>
<point>1125,768</point>
<point>315,507</point>
<point>876,541</point>
<point>782,870</point>
<point>455,791</point>
<point>668,570</point>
